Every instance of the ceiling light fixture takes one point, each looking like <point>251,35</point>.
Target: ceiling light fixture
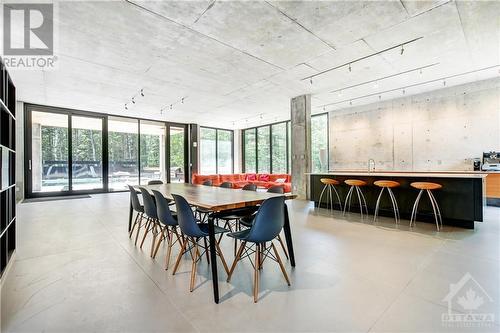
<point>402,48</point>
<point>311,81</point>
<point>377,80</point>
<point>442,79</point>
<point>404,91</point>
<point>133,101</point>
<point>350,69</point>
<point>126,107</point>
<point>142,92</point>
<point>444,82</point>
<point>362,58</point>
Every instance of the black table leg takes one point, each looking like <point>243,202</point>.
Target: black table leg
<point>130,212</point>
<point>288,237</point>
<point>213,258</point>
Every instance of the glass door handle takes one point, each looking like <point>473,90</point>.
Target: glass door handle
<point>29,164</point>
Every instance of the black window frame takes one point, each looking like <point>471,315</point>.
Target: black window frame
<point>288,143</point>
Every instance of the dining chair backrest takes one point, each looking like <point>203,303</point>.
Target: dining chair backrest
<point>186,219</point>
<point>249,187</point>
<point>207,182</point>
<point>268,221</point>
<point>226,185</point>
<point>149,203</point>
<point>276,189</point>
<point>163,209</point>
<point>155,182</point>
<point>136,204</point>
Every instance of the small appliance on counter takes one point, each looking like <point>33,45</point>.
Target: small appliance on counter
<point>476,164</point>
<point>491,161</point>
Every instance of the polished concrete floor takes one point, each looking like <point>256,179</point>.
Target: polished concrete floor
<point>76,270</point>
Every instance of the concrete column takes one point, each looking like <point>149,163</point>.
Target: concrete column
<point>300,108</point>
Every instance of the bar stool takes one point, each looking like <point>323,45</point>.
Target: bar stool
<point>355,184</point>
<point>387,184</point>
<point>428,187</point>
<point>328,185</point>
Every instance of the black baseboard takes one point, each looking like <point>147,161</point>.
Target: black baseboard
<point>495,202</point>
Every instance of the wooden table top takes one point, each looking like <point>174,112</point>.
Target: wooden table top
<point>214,198</point>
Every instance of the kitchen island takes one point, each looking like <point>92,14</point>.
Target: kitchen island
<point>461,199</point>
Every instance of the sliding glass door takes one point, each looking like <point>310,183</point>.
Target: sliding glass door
<point>64,152</point>
<point>70,151</point>
<point>48,165</point>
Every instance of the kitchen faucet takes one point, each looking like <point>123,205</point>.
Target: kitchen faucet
<point>370,162</point>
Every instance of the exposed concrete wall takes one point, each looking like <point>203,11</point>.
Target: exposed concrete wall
<point>439,130</point>
<point>300,107</point>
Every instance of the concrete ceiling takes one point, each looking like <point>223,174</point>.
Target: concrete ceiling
<point>238,63</point>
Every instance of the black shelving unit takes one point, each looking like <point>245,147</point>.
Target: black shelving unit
<point>7,168</point>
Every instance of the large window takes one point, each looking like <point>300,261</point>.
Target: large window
<point>87,153</point>
<point>319,143</point>
<point>216,151</point>
<point>279,147</point>
<point>249,150</point>
<point>177,155</point>
<point>266,149</point>
<point>152,147</point>
<point>123,150</point>
<point>71,151</point>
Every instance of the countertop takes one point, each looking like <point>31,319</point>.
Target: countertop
<point>437,174</point>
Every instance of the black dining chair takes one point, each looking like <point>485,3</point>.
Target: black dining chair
<point>267,225</point>
<point>226,185</point>
<point>152,225</point>
<point>139,209</point>
<point>168,225</point>
<point>193,232</point>
<point>248,220</point>
<point>249,187</point>
<point>155,182</point>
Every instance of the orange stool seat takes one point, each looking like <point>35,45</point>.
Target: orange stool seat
<point>355,182</point>
<point>426,186</point>
<point>329,181</point>
<point>386,183</point>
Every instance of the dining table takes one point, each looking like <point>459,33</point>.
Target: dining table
<point>218,199</point>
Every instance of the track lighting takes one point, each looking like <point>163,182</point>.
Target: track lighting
<point>350,69</point>
<point>444,82</point>
<point>126,107</point>
<point>142,92</point>
<point>404,91</point>
<point>350,102</point>
<point>402,48</point>
<point>133,100</point>
<point>170,106</point>
<point>379,97</point>
<point>311,81</point>
<point>182,100</point>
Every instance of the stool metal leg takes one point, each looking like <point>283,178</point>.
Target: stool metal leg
<point>359,200</point>
<point>321,196</point>
<point>347,205</point>
<point>330,194</point>
<point>435,208</point>
<point>364,200</point>
<point>414,210</point>
<point>394,205</point>
<point>338,197</point>
<point>377,204</point>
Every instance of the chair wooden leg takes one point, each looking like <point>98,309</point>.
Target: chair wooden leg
<point>222,258</point>
<point>162,237</point>
<point>134,225</point>
<point>256,275</point>
<point>206,250</point>
<point>280,263</point>
<point>283,247</point>
<point>193,266</point>
<point>138,230</point>
<point>146,231</point>
<point>177,262</point>
<point>236,259</point>
<point>169,249</point>
<point>155,233</point>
